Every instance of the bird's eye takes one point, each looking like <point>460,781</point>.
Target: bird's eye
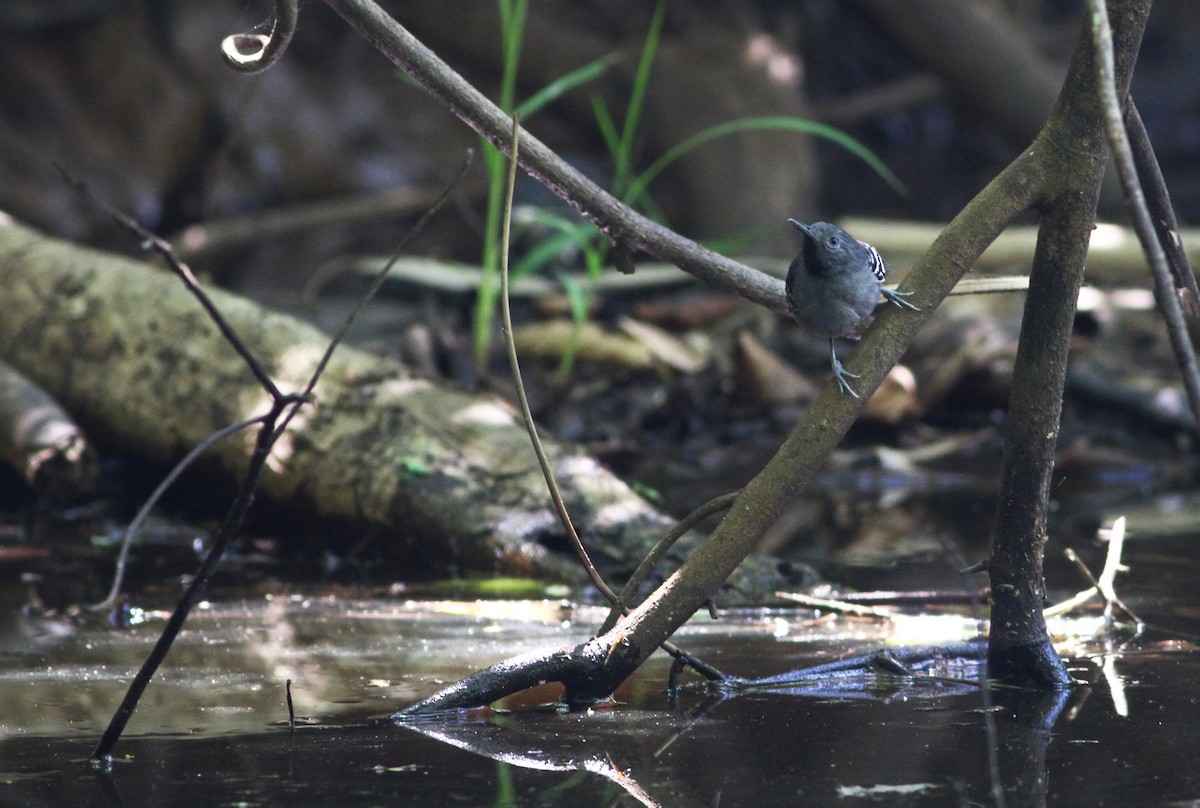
<point>833,241</point>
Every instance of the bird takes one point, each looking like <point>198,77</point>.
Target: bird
<point>834,284</point>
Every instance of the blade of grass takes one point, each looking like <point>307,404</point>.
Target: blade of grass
<point>799,125</point>
<point>577,298</point>
<point>606,124</point>
<point>512,27</point>
<point>548,250</point>
<point>512,31</point>
<point>637,97</point>
<point>485,298</point>
<point>564,84</point>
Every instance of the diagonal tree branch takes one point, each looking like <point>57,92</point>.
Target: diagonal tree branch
<point>1059,175</point>
<point>629,230</point>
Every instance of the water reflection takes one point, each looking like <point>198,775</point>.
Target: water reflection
<point>213,729</point>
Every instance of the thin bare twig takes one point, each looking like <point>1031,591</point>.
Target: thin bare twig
<point>166,251</point>
<point>283,408</point>
<point>381,275</point>
<point>135,527</point>
<point>560,507</point>
<point>1158,200</point>
<point>714,505</point>
<point>619,606</point>
<point>101,756</point>
<point>1122,152</point>
<point>1104,585</point>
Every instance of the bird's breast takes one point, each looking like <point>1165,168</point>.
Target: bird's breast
<point>830,305</point>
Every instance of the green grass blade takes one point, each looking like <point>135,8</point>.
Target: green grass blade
<point>564,84</point>
<point>637,97</point>
<point>577,298</point>
<point>606,124</point>
<point>512,29</point>
<point>799,125</point>
<point>545,252</point>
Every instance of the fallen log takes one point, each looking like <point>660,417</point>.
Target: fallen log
<point>446,475</point>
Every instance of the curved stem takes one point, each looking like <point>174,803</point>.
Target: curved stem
<point>560,506</point>
<point>254,53</point>
<point>714,505</point>
<point>135,526</point>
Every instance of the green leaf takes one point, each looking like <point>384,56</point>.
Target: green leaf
<point>606,124</point>
<point>647,492</point>
<point>788,124</point>
<point>512,26</point>
<point>577,299</point>
<point>563,85</point>
<point>637,97</point>
<point>414,466</point>
<point>544,253</point>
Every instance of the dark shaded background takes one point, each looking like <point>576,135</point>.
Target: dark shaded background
<point>133,98</point>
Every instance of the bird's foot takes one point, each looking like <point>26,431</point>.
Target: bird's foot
<point>898,298</point>
<point>842,375</point>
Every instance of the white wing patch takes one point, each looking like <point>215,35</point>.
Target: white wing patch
<point>878,268</point>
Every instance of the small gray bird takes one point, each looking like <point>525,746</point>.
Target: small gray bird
<point>833,284</point>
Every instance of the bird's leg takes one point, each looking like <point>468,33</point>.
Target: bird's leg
<point>840,373</point>
<point>898,298</point>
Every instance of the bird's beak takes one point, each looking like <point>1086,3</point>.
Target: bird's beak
<point>803,228</point>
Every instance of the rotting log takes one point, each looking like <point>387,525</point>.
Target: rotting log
<point>41,442</point>
<point>446,475</point>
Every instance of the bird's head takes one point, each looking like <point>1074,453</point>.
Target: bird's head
<point>826,236</point>
<point>830,250</point>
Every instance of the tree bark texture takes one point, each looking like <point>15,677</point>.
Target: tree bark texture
<point>449,476</point>
<point>1019,650</point>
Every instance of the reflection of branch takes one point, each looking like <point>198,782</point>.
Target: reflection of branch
<point>1024,728</point>
<point>856,677</point>
<point>536,749</point>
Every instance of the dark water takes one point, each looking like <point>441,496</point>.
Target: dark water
<point>212,730</point>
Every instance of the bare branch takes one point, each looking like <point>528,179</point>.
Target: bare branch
<point>1122,153</point>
